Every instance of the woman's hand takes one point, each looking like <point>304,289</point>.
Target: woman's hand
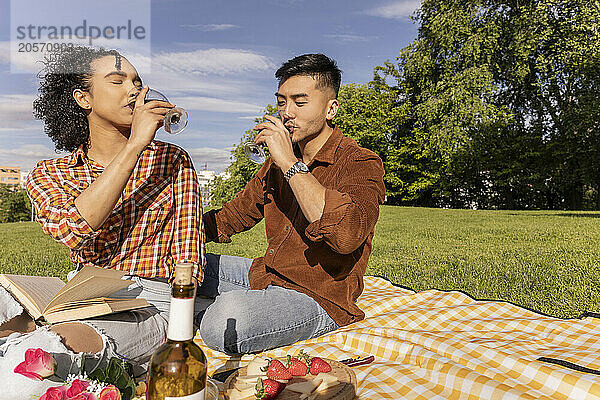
<point>147,119</point>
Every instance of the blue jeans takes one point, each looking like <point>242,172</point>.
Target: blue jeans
<point>243,321</point>
<point>135,335</point>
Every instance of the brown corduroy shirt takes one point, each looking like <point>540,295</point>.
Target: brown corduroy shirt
<point>327,258</point>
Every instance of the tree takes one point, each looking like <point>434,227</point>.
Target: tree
<point>374,115</point>
<point>14,205</point>
<point>482,73</point>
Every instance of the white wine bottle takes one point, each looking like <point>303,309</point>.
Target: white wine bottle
<point>177,369</point>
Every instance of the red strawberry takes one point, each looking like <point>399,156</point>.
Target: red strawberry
<point>268,389</point>
<point>296,367</point>
<point>278,371</point>
<point>318,365</point>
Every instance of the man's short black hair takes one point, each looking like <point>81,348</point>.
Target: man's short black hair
<point>319,66</point>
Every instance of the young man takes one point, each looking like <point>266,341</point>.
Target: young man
<point>120,200</point>
<point>319,194</point>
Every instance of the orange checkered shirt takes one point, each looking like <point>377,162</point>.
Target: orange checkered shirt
<point>156,223</point>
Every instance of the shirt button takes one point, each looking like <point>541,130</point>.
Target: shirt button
<point>271,251</point>
<point>287,228</point>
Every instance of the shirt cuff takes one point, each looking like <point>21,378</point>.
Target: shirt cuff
<point>77,224</point>
<point>196,270</point>
<point>336,206</point>
<point>211,229</point>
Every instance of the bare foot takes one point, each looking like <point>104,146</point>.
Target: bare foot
<point>79,338</point>
<point>21,323</point>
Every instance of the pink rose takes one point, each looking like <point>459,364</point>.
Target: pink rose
<point>55,393</point>
<point>37,365</point>
<point>110,392</point>
<point>83,396</point>
<point>77,386</point>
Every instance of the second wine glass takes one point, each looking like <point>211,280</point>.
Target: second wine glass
<point>256,152</point>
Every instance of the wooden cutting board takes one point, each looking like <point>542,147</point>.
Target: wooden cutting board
<point>345,390</point>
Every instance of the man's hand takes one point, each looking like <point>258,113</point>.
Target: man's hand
<point>274,134</point>
<point>147,119</point>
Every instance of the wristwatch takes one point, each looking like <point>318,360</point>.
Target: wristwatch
<point>294,169</point>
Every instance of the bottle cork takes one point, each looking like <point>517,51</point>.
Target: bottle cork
<point>183,274</point>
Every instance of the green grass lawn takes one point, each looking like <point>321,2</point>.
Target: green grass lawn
<point>544,260</point>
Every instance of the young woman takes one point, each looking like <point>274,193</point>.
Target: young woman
<point>119,200</point>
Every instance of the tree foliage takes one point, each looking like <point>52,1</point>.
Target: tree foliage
<point>502,96</point>
<point>374,115</point>
<point>14,205</point>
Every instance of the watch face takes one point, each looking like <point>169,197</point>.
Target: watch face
<point>302,167</point>
<point>298,167</point>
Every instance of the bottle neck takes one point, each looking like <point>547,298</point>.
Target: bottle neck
<point>181,317</point>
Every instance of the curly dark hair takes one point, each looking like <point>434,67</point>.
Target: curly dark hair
<point>65,122</point>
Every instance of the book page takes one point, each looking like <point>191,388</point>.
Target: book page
<point>126,304</point>
<point>33,292</point>
<point>117,303</point>
<point>75,304</point>
<point>87,271</point>
<point>108,306</point>
<point>91,287</point>
<point>78,313</point>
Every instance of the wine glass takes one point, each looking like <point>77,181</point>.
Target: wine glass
<point>255,152</point>
<point>176,119</point>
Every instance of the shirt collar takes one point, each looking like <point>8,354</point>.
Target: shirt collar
<point>78,157</point>
<point>326,154</point>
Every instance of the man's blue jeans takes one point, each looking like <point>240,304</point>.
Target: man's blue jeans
<point>242,320</point>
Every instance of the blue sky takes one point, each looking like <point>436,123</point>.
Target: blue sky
<point>217,59</point>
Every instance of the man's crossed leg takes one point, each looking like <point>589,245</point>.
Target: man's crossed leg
<point>242,320</point>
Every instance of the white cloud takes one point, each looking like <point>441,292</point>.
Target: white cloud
<point>16,111</point>
<point>27,155</point>
<point>226,84</point>
<point>183,71</point>
<point>179,83</point>
<point>350,38</point>
<point>212,61</point>
<point>215,159</point>
<point>26,61</point>
<point>396,10</point>
<point>250,117</point>
<point>210,27</point>
<point>216,105</point>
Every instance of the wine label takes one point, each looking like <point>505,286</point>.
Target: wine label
<point>181,319</point>
<point>196,396</point>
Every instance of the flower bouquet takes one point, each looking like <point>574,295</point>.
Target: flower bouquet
<point>111,383</point>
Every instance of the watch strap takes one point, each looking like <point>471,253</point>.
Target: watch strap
<point>294,169</point>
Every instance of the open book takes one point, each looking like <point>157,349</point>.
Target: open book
<point>84,296</point>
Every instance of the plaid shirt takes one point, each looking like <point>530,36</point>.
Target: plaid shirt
<point>155,224</point>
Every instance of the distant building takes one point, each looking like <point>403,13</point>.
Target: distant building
<point>24,175</point>
<point>204,180</point>
<point>10,176</point>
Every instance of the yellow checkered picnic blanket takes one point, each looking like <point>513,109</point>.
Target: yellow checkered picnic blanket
<point>445,345</point>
